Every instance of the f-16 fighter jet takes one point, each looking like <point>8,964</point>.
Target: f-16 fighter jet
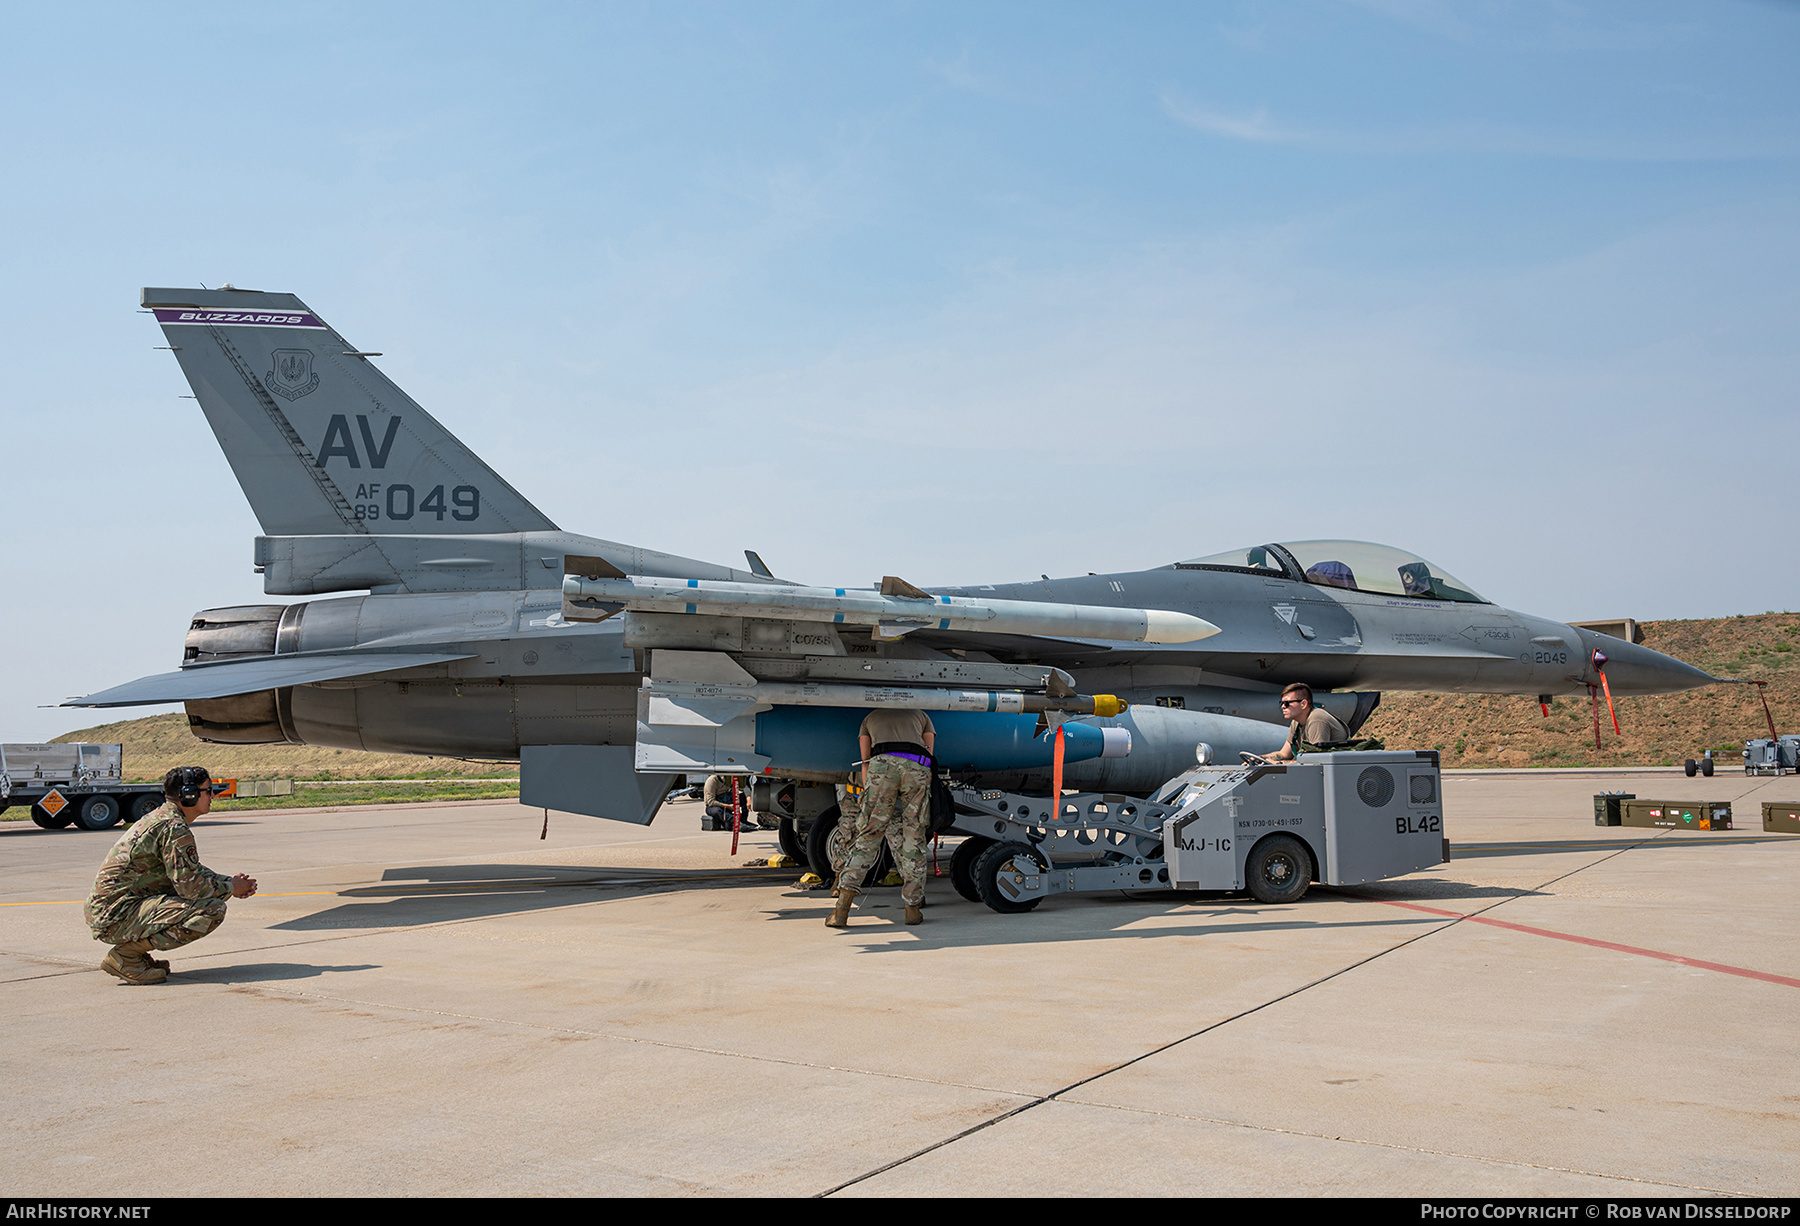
<point>448,615</point>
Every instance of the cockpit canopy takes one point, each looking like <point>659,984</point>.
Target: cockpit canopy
<point>1354,565</point>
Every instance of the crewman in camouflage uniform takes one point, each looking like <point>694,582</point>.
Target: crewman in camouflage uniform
<point>843,835</point>
<point>153,892</point>
<point>896,805</point>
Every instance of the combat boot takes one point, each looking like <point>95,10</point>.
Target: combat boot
<point>142,949</point>
<point>128,962</point>
<point>915,915</point>
<point>840,914</point>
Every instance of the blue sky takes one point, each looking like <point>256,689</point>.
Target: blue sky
<point>947,291</point>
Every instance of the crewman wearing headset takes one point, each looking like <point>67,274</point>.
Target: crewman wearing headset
<point>153,892</point>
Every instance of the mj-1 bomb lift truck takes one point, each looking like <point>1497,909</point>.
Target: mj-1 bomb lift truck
<point>1269,828</point>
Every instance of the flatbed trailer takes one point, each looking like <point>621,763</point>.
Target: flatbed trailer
<point>76,784</point>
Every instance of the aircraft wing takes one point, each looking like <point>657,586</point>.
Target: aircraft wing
<point>226,677</point>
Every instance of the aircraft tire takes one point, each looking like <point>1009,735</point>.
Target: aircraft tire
<point>962,866</point>
<point>818,853</point>
<point>818,838</point>
<point>1706,767</point>
<point>1278,870</point>
<point>988,867</point>
<point>1690,768</point>
<point>44,820</point>
<point>793,843</point>
<point>99,812</point>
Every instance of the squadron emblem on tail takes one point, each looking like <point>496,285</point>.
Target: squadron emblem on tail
<point>293,376</point>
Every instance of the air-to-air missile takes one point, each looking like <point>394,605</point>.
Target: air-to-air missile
<point>896,609</point>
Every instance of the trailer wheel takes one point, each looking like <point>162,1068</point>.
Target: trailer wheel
<point>991,869</point>
<point>818,850</point>
<point>143,805</point>
<point>62,818</point>
<point>98,812</point>
<point>793,846</point>
<point>1278,870</point>
<point>962,866</point>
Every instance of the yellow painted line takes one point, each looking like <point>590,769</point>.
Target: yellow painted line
<point>355,891</point>
<point>76,902</point>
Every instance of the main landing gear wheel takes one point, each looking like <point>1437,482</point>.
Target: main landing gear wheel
<point>793,846</point>
<point>1279,870</point>
<point>818,838</point>
<point>1690,768</point>
<point>962,866</point>
<point>996,876</point>
<point>818,850</point>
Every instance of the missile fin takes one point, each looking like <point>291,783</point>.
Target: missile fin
<point>589,610</point>
<point>893,585</point>
<point>590,568</point>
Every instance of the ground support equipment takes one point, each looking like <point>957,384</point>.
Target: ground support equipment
<point>1337,818</point>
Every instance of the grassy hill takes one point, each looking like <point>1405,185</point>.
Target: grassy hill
<point>1481,730</point>
<point>1470,730</point>
<point>158,742</point>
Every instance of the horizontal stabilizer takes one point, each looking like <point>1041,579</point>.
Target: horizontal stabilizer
<point>246,676</point>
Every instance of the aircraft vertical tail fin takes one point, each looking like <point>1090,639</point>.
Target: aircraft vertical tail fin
<point>321,441</point>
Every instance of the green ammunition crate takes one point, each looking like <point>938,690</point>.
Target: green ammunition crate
<point>1677,814</point>
<point>1607,805</point>
<point>1781,816</point>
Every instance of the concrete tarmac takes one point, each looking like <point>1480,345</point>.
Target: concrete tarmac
<point>427,1000</point>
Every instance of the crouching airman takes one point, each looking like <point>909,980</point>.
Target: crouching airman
<point>153,892</point>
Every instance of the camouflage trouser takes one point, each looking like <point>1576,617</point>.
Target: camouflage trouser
<point>837,847</point>
<point>167,922</point>
<point>896,805</point>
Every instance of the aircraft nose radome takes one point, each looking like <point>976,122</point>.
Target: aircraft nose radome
<point>1634,669</point>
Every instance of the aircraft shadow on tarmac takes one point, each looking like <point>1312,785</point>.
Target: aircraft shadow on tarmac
<point>1124,914</point>
<point>441,893</point>
<point>953,923</point>
<point>260,972</point>
<point>433,894</point>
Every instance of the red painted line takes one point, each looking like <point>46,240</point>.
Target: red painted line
<point>1742,972</point>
